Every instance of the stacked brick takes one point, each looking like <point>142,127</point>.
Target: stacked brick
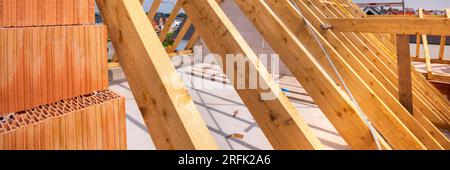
<point>53,59</point>
<point>84,122</point>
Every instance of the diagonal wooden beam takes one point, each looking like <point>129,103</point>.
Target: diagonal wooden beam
<point>429,92</point>
<point>421,96</point>
<point>192,41</point>
<point>181,34</point>
<point>425,103</point>
<point>168,110</point>
<point>422,106</point>
<point>173,15</point>
<point>278,118</point>
<point>333,102</point>
<point>427,95</point>
<point>115,58</point>
<point>426,49</point>
<point>340,45</point>
<point>418,44</point>
<point>364,95</point>
<point>153,9</point>
<point>297,25</point>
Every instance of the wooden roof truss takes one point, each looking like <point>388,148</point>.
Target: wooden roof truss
<point>406,111</point>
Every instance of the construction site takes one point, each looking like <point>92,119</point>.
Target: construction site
<point>223,75</point>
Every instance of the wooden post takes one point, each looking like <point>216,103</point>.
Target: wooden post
<point>404,72</point>
<point>443,40</point>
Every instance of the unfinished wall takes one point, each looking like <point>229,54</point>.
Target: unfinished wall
<point>53,77</point>
<point>14,13</point>
<point>41,65</point>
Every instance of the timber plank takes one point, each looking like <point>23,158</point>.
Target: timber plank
<point>168,110</point>
<point>362,93</point>
<point>278,119</point>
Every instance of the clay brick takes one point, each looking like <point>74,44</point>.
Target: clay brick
<point>24,13</point>
<point>90,122</point>
<point>42,65</point>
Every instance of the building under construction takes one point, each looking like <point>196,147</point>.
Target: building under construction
<point>344,80</point>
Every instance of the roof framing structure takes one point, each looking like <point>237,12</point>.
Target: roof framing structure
<point>343,68</point>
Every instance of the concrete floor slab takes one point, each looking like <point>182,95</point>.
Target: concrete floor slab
<point>225,113</point>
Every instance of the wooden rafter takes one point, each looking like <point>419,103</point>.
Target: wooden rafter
<point>428,92</point>
<point>375,68</point>
<point>278,119</point>
<point>173,15</point>
<point>426,48</point>
<point>168,110</point>
<point>153,9</point>
<point>192,41</point>
<point>341,42</point>
<point>366,95</point>
<point>181,34</point>
<point>332,101</point>
<point>373,49</point>
<point>422,88</point>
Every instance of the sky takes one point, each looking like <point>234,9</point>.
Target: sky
<point>426,4</point>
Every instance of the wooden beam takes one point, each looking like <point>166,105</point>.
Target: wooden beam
<point>419,37</point>
<point>418,44</point>
<point>153,9</point>
<point>168,110</point>
<point>422,87</point>
<point>181,34</point>
<point>278,119</point>
<point>410,26</point>
<point>443,39</point>
<point>404,72</point>
<point>426,49</point>
<point>383,49</point>
<point>115,58</point>
<point>359,137</point>
<point>445,78</point>
<point>192,41</point>
<point>442,47</point>
<point>422,100</point>
<point>432,107</point>
<point>427,56</point>
<point>403,16</point>
<point>314,11</point>
<point>173,15</point>
<point>433,60</point>
<point>293,50</point>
